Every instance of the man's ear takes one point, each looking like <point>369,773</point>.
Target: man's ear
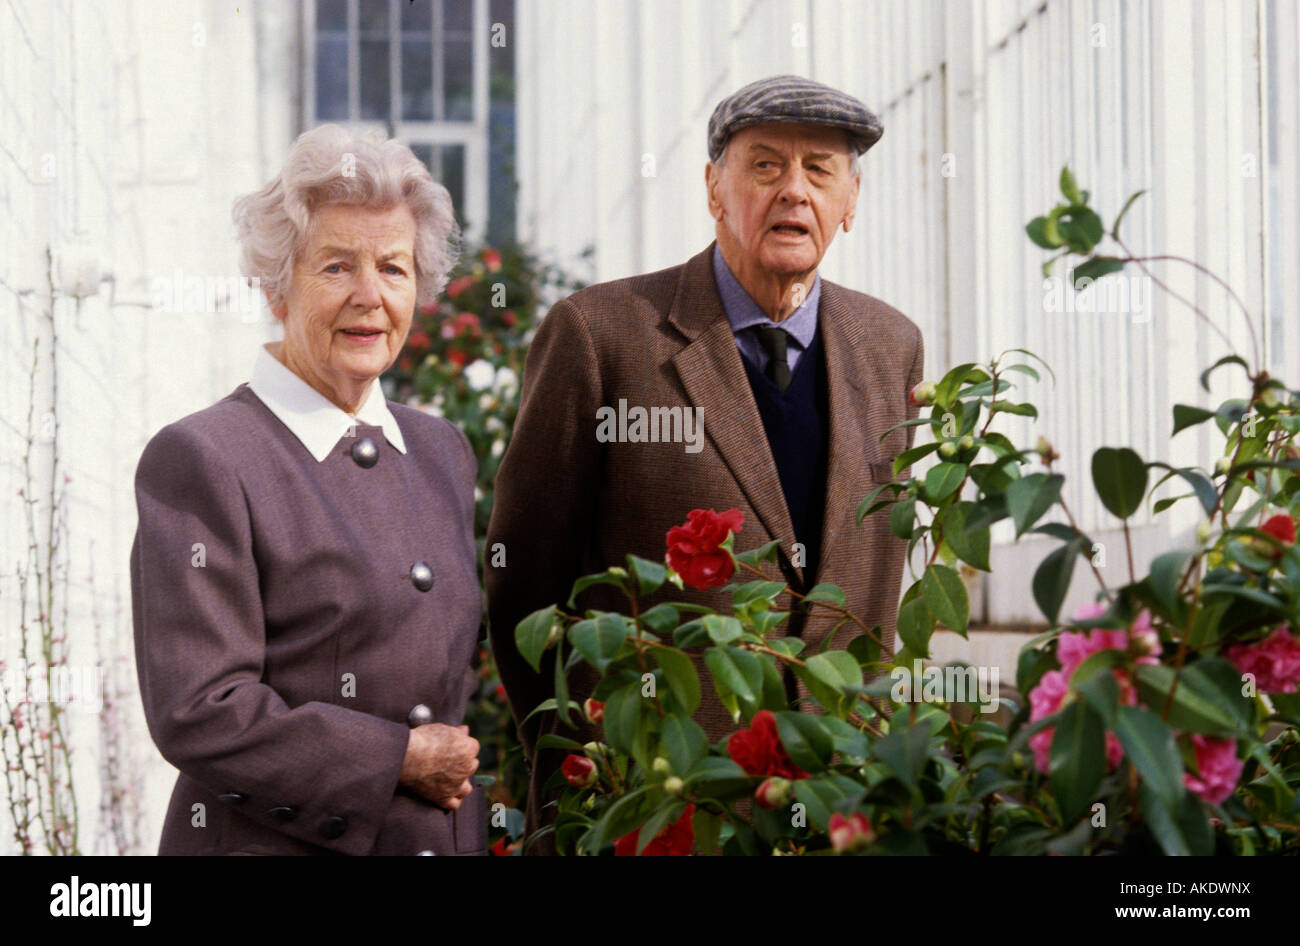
<point>853,204</point>
<point>712,180</point>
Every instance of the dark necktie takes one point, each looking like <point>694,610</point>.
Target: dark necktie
<point>774,341</point>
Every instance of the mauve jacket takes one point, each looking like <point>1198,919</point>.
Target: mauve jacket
<point>281,641</point>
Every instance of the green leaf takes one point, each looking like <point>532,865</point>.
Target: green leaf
<point>1023,369</point>
<point>945,596</point>
<point>764,553</point>
<point>908,457</point>
<point>1149,745</point>
<point>904,752</point>
<point>1052,579</point>
<point>532,633</point>
<point>662,618</point>
<point>1031,496</point>
<point>1201,485</point>
<point>1225,360</point>
<point>1114,230</point>
<point>708,829</point>
<point>599,640</point>
<point>735,670</point>
<point>966,530</point>
<point>722,628</point>
<point>902,517</point>
<point>1208,699</point>
<point>808,745</point>
<point>1187,416</point>
<point>942,479</point>
<point>680,675</point>
<point>618,579</point>
<point>826,592</point>
<point>865,507</point>
<point>1038,232</point>
<point>947,387</point>
<point>1120,477</point>
<point>1069,188</point>
<point>915,625</point>
<point>649,575</point>
<point>1078,226</point>
<point>1093,269</point>
<point>684,743</point>
<point>1010,407</point>
<point>1181,828</point>
<point>623,717</point>
<point>1166,574</point>
<point>1078,759</point>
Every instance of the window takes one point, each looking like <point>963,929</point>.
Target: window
<point>422,71</point>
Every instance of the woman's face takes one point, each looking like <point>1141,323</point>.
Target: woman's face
<point>351,299</point>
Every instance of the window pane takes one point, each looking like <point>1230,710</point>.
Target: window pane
<point>417,79</point>
<point>374,15</point>
<point>374,79</point>
<point>453,177</point>
<point>331,15</point>
<point>331,77</point>
<point>457,16</point>
<point>425,154</point>
<point>416,14</point>
<point>458,82</point>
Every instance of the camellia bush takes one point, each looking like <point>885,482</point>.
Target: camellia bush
<point>463,360</point>
<point>1160,718</point>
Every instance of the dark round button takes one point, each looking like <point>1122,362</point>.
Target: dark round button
<point>333,827</point>
<point>283,813</point>
<point>427,854</point>
<point>365,453</point>
<point>422,576</point>
<point>420,715</point>
<point>233,798</point>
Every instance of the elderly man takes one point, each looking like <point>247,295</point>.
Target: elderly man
<point>792,378</point>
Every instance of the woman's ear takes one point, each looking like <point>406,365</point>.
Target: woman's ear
<point>277,306</point>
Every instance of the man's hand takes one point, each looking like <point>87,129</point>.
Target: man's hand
<point>439,761</point>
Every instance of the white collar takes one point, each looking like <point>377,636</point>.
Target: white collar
<point>312,417</point>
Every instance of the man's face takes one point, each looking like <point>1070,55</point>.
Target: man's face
<point>781,193</point>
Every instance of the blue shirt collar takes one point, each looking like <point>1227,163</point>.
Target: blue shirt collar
<point>743,312</point>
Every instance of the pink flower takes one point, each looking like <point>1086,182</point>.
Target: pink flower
<point>1044,700</point>
<point>1274,661</point>
<point>851,833</point>
<point>1219,768</point>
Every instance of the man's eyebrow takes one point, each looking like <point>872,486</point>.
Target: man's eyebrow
<point>814,156</point>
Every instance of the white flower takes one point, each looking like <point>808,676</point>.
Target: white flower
<point>479,374</point>
<point>498,447</point>
<point>507,381</point>
<point>486,401</point>
<point>494,425</point>
<point>434,409</point>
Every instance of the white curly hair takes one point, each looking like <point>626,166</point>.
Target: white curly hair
<point>332,165</point>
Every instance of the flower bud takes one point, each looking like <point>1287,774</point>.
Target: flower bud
<point>673,785</point>
<point>1046,450</point>
<point>579,770</point>
<point>594,710</point>
<point>948,449</point>
<point>661,765</point>
<point>773,793</point>
<point>923,394</point>
<point>557,632</point>
<point>1203,532</point>
<point>967,442</point>
<point>852,833</point>
<point>592,748</point>
<point>1222,465</point>
<point>1292,452</point>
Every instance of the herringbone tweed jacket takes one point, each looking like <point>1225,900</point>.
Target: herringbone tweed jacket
<point>568,504</point>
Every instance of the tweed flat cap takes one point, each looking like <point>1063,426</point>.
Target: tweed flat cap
<point>792,99</point>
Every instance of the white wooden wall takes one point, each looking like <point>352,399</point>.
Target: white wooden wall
<point>125,129</point>
<point>982,104</point>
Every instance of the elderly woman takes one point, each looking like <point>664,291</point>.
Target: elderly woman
<point>305,596</point>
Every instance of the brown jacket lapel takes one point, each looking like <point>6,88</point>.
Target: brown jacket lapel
<point>714,377</point>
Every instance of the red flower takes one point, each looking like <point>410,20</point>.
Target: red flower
<point>594,710</point>
<point>500,692</point>
<point>456,357</point>
<point>579,770</point>
<point>694,549</point>
<point>851,833</point>
<point>499,849</point>
<point>1280,527</point>
<point>510,318</point>
<point>430,308</point>
<point>457,286</point>
<point>758,749</point>
<point>418,341</point>
<point>404,363</point>
<point>466,321</point>
<point>675,840</point>
<point>491,259</point>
